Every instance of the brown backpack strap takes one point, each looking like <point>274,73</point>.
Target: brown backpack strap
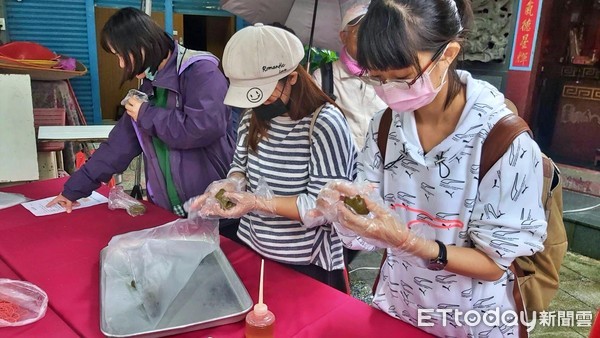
<point>502,134</point>
<point>551,181</point>
<point>382,133</point>
<point>382,137</point>
<point>313,120</point>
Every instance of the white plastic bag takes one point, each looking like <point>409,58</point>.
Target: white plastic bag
<point>8,200</point>
<point>145,270</point>
<point>21,303</point>
<point>119,199</point>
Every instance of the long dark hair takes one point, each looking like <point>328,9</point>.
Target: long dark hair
<point>394,31</point>
<point>130,31</point>
<point>305,98</point>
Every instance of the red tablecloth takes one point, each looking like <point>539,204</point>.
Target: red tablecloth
<point>60,254</point>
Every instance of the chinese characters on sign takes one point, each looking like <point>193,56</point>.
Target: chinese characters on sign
<point>565,318</point>
<point>505,319</point>
<point>525,34</point>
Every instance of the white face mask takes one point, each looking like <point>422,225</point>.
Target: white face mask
<point>402,98</point>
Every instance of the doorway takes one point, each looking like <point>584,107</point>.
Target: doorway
<point>109,73</point>
<point>198,32</point>
<point>567,109</point>
<point>209,33</point>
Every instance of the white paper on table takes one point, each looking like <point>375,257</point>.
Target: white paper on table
<point>39,208</point>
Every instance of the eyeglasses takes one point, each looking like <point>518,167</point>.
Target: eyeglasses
<point>378,81</point>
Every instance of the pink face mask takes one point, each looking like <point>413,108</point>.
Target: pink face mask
<point>351,64</point>
<point>403,98</point>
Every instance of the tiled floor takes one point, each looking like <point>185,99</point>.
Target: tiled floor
<point>582,222</point>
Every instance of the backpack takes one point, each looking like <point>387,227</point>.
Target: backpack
<point>327,79</point>
<point>538,275</point>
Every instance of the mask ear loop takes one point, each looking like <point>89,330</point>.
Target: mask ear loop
<point>443,78</point>
<point>287,79</point>
<point>439,56</point>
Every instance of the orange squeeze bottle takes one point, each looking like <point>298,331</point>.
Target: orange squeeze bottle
<point>260,322</point>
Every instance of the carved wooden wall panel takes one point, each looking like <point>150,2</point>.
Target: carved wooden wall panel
<point>488,38</point>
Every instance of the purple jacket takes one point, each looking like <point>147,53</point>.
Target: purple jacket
<point>194,126</point>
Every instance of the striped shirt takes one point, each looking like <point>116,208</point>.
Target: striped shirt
<point>293,165</point>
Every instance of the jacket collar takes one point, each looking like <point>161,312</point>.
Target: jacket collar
<point>167,77</point>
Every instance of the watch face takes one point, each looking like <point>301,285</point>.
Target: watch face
<point>436,265</point>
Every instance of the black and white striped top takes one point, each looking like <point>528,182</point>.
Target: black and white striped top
<point>291,165</point>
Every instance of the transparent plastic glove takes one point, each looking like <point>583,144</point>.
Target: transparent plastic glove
<point>213,197</point>
<point>382,226</point>
<point>324,211</point>
<point>261,201</point>
<point>332,193</point>
<point>245,202</point>
<point>134,93</point>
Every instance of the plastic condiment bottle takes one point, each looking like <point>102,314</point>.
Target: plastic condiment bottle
<point>260,322</point>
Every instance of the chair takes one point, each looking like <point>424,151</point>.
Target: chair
<point>49,117</point>
<point>50,161</point>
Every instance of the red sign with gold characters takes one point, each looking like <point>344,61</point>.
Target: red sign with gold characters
<point>525,34</point>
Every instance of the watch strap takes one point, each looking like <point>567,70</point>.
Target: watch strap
<point>443,254</point>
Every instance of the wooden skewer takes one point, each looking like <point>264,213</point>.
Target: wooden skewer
<point>260,290</point>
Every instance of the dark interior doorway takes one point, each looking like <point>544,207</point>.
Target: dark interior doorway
<point>209,33</point>
<point>567,109</point>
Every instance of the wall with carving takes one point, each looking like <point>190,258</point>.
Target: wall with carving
<point>491,30</point>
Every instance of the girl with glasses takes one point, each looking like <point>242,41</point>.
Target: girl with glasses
<point>449,234</point>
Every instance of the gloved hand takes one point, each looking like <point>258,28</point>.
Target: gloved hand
<point>379,227</point>
<point>382,226</point>
<point>332,193</point>
<point>324,211</point>
<point>243,203</point>
<point>214,195</point>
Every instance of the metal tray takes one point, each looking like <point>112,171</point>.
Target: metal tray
<point>201,303</point>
